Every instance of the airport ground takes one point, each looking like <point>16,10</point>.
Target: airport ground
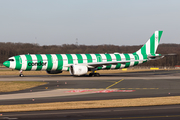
<point>161,85</point>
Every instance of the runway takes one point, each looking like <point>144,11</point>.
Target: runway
<point>110,86</point>
<point>170,112</point>
<point>61,88</point>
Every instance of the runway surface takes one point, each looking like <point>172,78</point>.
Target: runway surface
<point>108,86</point>
<point>170,112</point>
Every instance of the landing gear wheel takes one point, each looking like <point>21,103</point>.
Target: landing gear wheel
<point>21,75</point>
<point>97,74</point>
<point>94,74</point>
<point>90,74</point>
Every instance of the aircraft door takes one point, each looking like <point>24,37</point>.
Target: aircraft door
<point>99,59</point>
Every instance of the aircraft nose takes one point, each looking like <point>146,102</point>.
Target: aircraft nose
<point>6,63</point>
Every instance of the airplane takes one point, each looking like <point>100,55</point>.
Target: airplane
<point>80,64</point>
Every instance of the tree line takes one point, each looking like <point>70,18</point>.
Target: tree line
<point>11,49</point>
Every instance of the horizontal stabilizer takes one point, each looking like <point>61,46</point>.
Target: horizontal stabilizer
<point>158,56</point>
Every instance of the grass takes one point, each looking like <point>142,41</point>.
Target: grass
<point>18,85</point>
<point>92,104</point>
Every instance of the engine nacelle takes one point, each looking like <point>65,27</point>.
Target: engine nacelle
<point>53,71</point>
<point>78,70</point>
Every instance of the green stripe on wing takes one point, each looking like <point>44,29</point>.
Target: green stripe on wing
<point>108,57</point>
<point>118,58</point>
<point>127,58</point>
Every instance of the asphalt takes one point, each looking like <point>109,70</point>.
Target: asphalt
<point>170,112</point>
<point>140,84</point>
<point>68,88</point>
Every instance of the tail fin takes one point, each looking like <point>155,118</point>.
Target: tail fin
<point>151,45</point>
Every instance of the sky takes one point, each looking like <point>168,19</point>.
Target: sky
<point>90,22</point>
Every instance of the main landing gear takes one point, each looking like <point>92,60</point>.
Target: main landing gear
<point>21,74</point>
<point>94,74</point>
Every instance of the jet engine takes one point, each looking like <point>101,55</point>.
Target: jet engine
<point>78,70</point>
<point>53,71</point>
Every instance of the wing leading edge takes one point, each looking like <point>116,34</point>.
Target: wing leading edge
<point>100,64</point>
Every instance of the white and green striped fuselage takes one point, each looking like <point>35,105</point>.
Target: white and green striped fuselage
<point>79,64</point>
<point>37,62</point>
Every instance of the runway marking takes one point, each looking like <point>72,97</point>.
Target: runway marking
<point>137,88</point>
<point>114,84</point>
<point>109,91</point>
<point>78,91</point>
<point>121,118</point>
<point>114,88</point>
<point>98,91</point>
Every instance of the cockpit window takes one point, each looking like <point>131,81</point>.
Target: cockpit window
<point>10,59</point>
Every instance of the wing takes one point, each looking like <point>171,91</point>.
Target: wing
<point>100,64</point>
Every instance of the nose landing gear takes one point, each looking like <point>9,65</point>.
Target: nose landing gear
<point>21,74</point>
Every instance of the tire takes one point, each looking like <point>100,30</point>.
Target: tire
<point>97,74</point>
<point>21,75</point>
<point>90,74</point>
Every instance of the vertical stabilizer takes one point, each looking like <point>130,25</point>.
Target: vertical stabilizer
<point>151,45</point>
